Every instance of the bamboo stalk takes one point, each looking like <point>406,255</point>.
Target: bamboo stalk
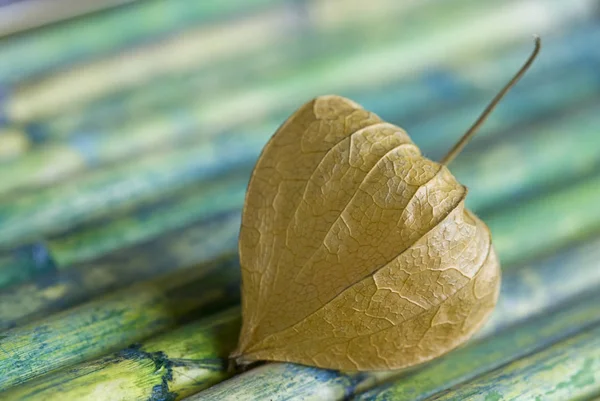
<point>521,287</point>
<point>193,48</point>
<point>142,223</point>
<point>64,206</point>
<point>40,51</point>
<point>170,366</point>
<point>60,207</point>
<point>524,160</point>
<point>555,96</point>
<point>495,346</point>
<point>569,370</point>
<point>574,212</point>
<point>122,229</point>
<point>167,128</point>
<point>73,210</point>
<point>472,74</point>
<point>48,366</point>
<point>20,16</point>
<point>13,144</point>
<point>415,46</point>
<point>174,250</point>
<point>513,228</point>
<point>117,320</point>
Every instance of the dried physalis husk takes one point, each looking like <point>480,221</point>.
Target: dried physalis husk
<point>357,252</point>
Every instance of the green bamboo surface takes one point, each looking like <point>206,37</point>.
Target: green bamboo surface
<point>113,322</point>
<point>519,287</point>
<point>35,52</point>
<point>168,367</point>
<point>56,208</point>
<point>126,228</point>
<point>573,212</point>
<point>567,370</point>
<point>413,46</point>
<point>208,199</point>
<point>141,126</point>
<point>116,175</point>
<point>173,250</point>
<point>13,144</point>
<point>262,71</point>
<point>524,223</point>
<point>541,155</point>
<point>194,48</point>
<point>585,186</point>
<point>531,287</point>
<point>61,204</point>
<point>18,18</point>
<point>432,131</point>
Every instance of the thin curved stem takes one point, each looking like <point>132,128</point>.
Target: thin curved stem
<point>458,147</point>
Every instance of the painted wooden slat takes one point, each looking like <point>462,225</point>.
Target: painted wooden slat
<point>59,290</point>
<point>40,51</point>
<point>436,86</point>
<point>117,320</point>
<point>574,206</point>
<point>168,367</point>
<point>92,195</point>
<point>123,229</point>
<point>194,48</point>
<point>14,143</point>
<point>523,286</point>
<point>433,131</point>
<point>416,45</point>
<point>56,208</point>
<point>574,215</point>
<point>569,370</point>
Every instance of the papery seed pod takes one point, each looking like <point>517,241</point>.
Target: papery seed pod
<point>357,252</point>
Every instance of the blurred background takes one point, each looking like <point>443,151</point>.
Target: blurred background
<point>124,122</point>
<point>129,129</point>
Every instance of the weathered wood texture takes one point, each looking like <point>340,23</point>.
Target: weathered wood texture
<point>115,321</point>
<point>170,366</point>
<point>569,370</point>
<point>124,228</point>
<point>125,137</point>
<point>174,250</point>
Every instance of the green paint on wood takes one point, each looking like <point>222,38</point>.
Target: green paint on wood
<point>88,242</point>
<point>525,230</point>
<point>142,115</point>
<point>530,159</point>
<point>168,367</point>
<point>95,35</point>
<point>173,250</point>
<point>568,370</point>
<point>112,322</point>
<point>528,219</point>
<point>123,229</point>
<point>54,209</point>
